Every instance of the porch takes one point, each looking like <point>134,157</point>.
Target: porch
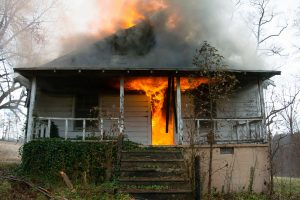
<point>66,99</point>
<point>243,130</point>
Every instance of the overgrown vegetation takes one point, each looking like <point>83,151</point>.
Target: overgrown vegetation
<point>79,160</point>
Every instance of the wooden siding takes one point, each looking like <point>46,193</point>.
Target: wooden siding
<point>137,116</point>
<point>55,106</point>
<point>244,104</point>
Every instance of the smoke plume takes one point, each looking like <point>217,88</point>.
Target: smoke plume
<point>178,29</point>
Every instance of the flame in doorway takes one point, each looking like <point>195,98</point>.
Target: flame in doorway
<point>155,89</point>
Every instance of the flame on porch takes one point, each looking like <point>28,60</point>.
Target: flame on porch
<point>155,89</point>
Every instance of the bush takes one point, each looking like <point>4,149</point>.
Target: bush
<point>46,158</point>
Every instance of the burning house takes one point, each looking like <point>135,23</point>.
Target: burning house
<point>135,82</point>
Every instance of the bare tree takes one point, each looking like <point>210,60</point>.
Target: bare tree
<point>20,30</point>
<point>220,84</point>
<point>260,18</point>
<point>277,105</point>
<point>290,115</point>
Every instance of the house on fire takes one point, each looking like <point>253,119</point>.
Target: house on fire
<point>118,85</point>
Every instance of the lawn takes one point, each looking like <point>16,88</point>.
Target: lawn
<point>287,185</point>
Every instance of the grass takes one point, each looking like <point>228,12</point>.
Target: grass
<point>10,190</point>
<point>285,188</point>
<point>105,191</point>
<point>287,185</point>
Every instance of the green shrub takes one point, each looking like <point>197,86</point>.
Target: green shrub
<point>46,158</point>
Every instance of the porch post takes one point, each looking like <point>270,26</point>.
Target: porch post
<point>30,110</point>
<point>262,108</point>
<point>122,105</point>
<point>179,115</point>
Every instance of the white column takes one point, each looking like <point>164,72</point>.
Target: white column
<point>30,111</point>
<point>179,115</point>
<point>122,105</point>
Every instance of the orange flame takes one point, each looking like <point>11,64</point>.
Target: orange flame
<point>123,14</point>
<point>155,89</point>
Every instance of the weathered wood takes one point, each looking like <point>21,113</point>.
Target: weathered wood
<point>122,105</point>
<point>66,129</point>
<point>43,132</point>
<point>248,128</point>
<point>83,129</point>
<point>67,180</point>
<point>168,103</point>
<point>49,128</point>
<point>179,114</point>
<point>101,126</point>
<point>262,107</point>
<point>174,104</point>
<point>38,188</point>
<point>30,111</point>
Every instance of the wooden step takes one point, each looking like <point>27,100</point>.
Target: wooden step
<point>160,194</point>
<point>151,164</point>
<point>151,155</point>
<point>159,172</point>
<point>155,173</point>
<point>170,182</point>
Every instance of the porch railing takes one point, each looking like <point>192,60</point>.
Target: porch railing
<point>43,125</point>
<point>238,129</point>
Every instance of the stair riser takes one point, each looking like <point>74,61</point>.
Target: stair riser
<point>146,169</point>
<point>169,184</point>
<point>184,196</point>
<point>172,173</point>
<point>156,155</point>
<point>152,165</point>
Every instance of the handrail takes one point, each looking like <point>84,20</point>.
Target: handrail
<point>75,119</point>
<point>238,122</point>
<point>46,133</point>
<point>224,119</point>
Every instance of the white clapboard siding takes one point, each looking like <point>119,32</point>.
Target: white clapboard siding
<point>244,103</point>
<point>55,106</point>
<point>137,116</point>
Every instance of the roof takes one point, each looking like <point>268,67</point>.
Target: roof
<point>139,48</point>
<point>133,48</point>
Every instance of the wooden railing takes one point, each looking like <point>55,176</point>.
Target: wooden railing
<point>235,126</point>
<point>43,125</point>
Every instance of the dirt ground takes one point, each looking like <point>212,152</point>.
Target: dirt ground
<point>9,152</point>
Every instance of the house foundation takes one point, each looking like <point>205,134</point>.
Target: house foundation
<point>235,167</point>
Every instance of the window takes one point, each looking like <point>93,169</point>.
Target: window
<point>84,108</point>
<point>226,150</point>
